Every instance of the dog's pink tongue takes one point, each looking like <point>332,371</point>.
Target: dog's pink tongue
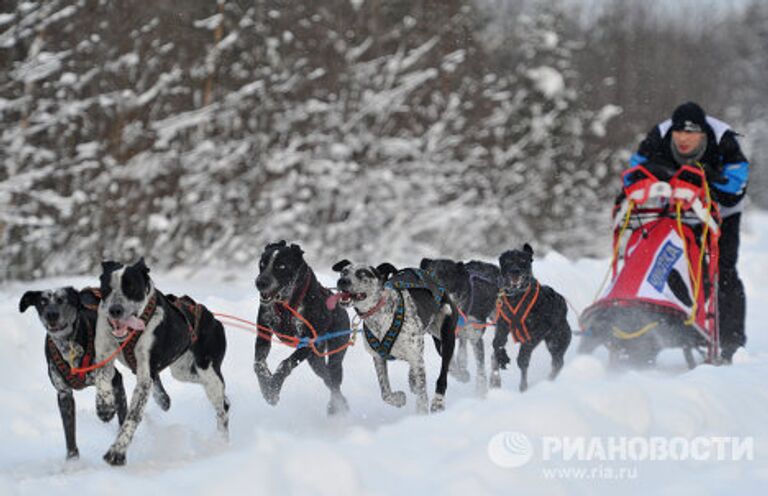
<point>135,323</point>
<point>332,301</point>
<point>120,328</point>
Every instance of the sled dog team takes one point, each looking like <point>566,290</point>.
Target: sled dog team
<point>130,320</point>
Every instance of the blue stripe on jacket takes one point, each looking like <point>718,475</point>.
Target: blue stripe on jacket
<point>736,175</point>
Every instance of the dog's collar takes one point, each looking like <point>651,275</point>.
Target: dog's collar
<point>373,311</point>
<point>149,309</point>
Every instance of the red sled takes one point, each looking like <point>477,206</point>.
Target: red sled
<point>664,274</point>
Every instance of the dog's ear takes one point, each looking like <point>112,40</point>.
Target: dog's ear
<point>73,297</point>
<point>385,270</point>
<point>339,266</point>
<point>296,249</point>
<point>90,297</point>
<point>528,249</point>
<point>425,263</point>
<point>142,266</point>
<point>503,258</point>
<point>29,298</point>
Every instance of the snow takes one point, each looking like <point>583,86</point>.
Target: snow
<point>547,80</point>
<point>295,448</point>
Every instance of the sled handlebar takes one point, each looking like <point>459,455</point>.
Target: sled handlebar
<point>664,191</point>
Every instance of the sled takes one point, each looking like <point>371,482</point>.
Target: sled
<point>662,291</point>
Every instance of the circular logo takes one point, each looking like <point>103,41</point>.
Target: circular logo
<point>510,449</point>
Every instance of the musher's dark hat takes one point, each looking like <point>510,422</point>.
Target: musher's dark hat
<point>689,117</point>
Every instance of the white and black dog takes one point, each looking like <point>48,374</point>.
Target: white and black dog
<point>285,278</point>
<point>398,308</point>
<point>531,313</point>
<point>473,287</point>
<point>161,331</point>
<point>69,318</point>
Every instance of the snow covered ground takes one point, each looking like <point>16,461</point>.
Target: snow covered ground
<point>295,448</point>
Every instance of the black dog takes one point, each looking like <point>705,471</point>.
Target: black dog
<point>285,278</point>
<point>398,308</point>
<point>529,312</point>
<point>157,331</point>
<point>69,318</point>
<point>473,286</point>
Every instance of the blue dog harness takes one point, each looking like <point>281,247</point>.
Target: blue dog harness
<point>384,346</point>
<point>402,281</point>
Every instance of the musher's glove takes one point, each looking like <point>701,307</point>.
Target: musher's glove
<point>713,175</point>
<point>502,358</point>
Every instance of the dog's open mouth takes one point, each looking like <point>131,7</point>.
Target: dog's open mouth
<point>121,328</point>
<point>344,298</point>
<point>57,327</point>
<point>515,283</point>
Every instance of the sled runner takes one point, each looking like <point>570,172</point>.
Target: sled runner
<point>663,287</point>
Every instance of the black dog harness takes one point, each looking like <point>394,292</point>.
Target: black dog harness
<point>75,381</point>
<point>128,351</point>
<point>384,347</point>
<point>191,310</point>
<point>402,281</point>
<point>517,323</point>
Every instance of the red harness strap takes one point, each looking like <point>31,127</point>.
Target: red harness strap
<point>296,299</point>
<point>373,311</point>
<point>517,325</point>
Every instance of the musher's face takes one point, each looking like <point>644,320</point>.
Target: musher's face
<point>686,141</point>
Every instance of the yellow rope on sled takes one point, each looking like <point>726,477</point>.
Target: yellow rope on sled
<point>697,278</point>
<point>633,335</point>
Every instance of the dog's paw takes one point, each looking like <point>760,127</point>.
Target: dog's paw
<point>481,386</point>
<point>222,426</point>
<point>396,398</point>
<point>114,458</point>
<point>105,409</point>
<point>271,395</point>
<point>162,399</point>
<point>338,405</point>
<point>73,455</point>
<point>438,404</point>
<point>495,382</point>
<point>502,358</point>
<point>461,375</point>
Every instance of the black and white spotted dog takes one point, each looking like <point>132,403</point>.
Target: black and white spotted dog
<point>397,310</point>
<point>69,318</point>
<point>286,278</point>
<point>473,286</point>
<point>158,331</point>
<point>530,312</point>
